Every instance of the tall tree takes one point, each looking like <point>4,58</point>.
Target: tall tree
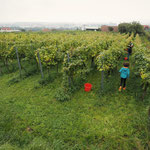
<point>134,27</point>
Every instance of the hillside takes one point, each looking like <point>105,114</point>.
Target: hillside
<point>43,104</point>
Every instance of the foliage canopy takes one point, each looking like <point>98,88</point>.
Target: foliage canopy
<point>134,27</point>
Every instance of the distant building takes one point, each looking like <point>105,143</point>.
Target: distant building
<point>146,27</point>
<point>46,30</point>
<point>106,28</point>
<point>5,29</point>
<point>92,29</point>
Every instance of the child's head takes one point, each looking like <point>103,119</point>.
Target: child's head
<point>126,64</point>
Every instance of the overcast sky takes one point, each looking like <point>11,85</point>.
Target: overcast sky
<point>75,11</point>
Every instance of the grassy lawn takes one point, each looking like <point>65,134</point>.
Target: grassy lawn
<point>31,118</point>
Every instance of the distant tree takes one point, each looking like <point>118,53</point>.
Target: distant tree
<point>23,30</point>
<point>134,27</point>
<point>123,27</point>
<point>137,28</point>
<point>99,29</point>
<point>110,29</point>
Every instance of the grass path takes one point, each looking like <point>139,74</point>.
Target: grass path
<point>30,117</point>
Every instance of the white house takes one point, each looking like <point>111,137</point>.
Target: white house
<point>8,30</point>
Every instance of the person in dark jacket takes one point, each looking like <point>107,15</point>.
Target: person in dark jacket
<point>129,49</point>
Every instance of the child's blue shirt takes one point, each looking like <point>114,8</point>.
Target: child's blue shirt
<point>124,72</point>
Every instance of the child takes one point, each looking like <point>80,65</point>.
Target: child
<point>124,74</point>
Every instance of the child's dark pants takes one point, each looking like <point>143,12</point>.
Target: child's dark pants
<point>123,81</point>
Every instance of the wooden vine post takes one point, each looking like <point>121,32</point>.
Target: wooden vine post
<point>19,65</point>
<point>41,69</point>
<point>69,81</point>
<point>102,78</point>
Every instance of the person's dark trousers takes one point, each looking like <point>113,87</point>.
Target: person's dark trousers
<point>128,55</point>
<point>123,82</point>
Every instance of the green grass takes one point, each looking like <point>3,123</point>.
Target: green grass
<point>31,118</point>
